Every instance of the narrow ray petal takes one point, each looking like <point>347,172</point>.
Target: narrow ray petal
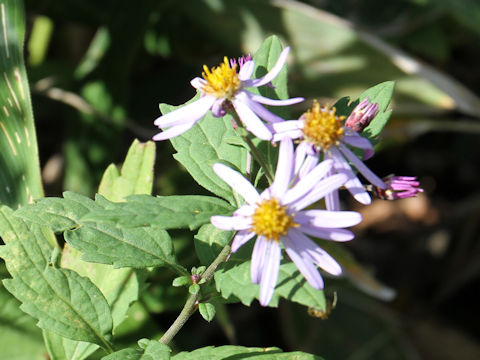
<point>259,109</point>
<point>246,70</point>
<point>339,235</point>
<point>308,182</point>
<point>329,219</point>
<point>353,185</point>
<point>362,168</point>
<point>258,259</point>
<point>198,83</point>
<point>355,140</point>
<point>332,201</point>
<point>173,131</point>
<point>323,187</point>
<point>267,101</point>
<point>237,182</point>
<point>272,74</point>
<point>231,222</point>
<point>316,253</point>
<point>186,114</point>
<point>252,122</point>
<point>305,266</point>
<point>241,238</point>
<point>270,272</point>
<point>284,171</point>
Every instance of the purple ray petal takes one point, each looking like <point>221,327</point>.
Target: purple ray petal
<point>270,272</point>
<point>186,114</point>
<point>323,187</point>
<point>339,235</point>
<point>284,171</point>
<point>355,140</point>
<point>305,266</point>
<point>258,259</point>
<point>241,238</point>
<point>173,131</point>
<point>251,121</point>
<point>231,222</point>
<point>246,70</point>
<point>272,74</point>
<point>267,101</point>
<point>307,182</point>
<point>310,249</point>
<point>329,219</point>
<point>362,168</point>
<point>237,182</point>
<point>258,109</point>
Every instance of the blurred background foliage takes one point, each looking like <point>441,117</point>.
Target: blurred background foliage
<point>99,69</point>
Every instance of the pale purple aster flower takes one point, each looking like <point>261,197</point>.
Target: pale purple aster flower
<point>322,131</point>
<point>399,187</point>
<point>276,217</point>
<point>223,88</point>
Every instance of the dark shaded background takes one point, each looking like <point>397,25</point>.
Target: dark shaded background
<point>99,69</point>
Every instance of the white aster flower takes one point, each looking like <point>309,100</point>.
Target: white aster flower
<point>276,217</point>
<point>222,88</point>
<point>322,131</point>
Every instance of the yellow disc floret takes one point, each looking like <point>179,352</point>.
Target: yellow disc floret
<point>222,81</point>
<point>322,127</point>
<point>272,220</point>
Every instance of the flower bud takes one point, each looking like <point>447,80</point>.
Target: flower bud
<point>399,187</point>
<point>362,115</point>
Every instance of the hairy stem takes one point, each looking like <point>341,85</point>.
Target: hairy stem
<point>191,304</point>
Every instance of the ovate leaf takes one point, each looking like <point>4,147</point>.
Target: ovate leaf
<point>149,350</point>
<point>166,212</point>
<point>241,352</point>
<point>61,300</point>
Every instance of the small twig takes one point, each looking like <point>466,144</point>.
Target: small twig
<point>191,304</point>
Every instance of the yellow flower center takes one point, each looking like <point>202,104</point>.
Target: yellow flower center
<point>322,127</point>
<point>222,81</point>
<point>272,220</point>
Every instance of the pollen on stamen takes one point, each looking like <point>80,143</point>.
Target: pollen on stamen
<point>272,220</point>
<point>222,81</point>
<point>322,127</point>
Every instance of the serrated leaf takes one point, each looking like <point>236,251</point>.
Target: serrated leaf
<point>241,352</point>
<point>99,241</point>
<point>149,350</point>
<point>204,145</point>
<point>165,212</point>
<point>20,180</point>
<point>20,339</point>
<point>209,241</point>
<point>60,299</point>
<point>207,311</point>
<point>135,176</point>
<point>232,278</point>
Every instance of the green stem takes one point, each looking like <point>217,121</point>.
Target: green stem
<point>191,304</point>
<point>256,154</point>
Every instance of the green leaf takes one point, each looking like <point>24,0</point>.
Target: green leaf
<point>241,352</point>
<point>206,144</point>
<point>165,212</point>
<point>135,177</point>
<point>209,241</point>
<point>149,350</point>
<point>232,278</point>
<point>20,180</point>
<point>61,300</point>
<point>380,94</point>
<point>20,339</point>
<point>207,311</point>
<point>194,289</point>
<point>181,281</point>
<point>99,241</point>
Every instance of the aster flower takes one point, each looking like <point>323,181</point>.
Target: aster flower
<point>398,187</point>
<point>221,89</point>
<point>322,131</point>
<point>276,217</point>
